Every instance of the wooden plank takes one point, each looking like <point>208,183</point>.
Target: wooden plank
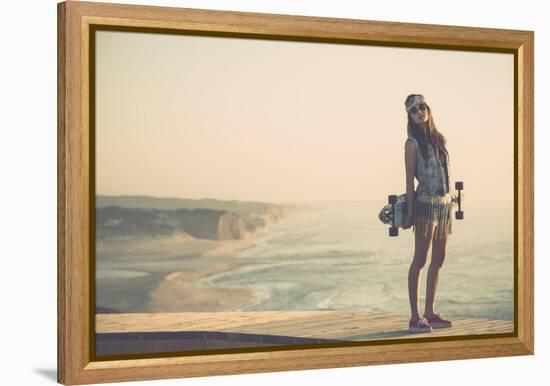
<point>322,325</point>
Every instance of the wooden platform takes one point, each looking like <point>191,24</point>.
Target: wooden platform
<point>333,325</point>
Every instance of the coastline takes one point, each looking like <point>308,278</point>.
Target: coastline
<point>336,259</point>
<point>173,275</point>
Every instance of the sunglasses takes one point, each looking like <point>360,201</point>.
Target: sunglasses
<point>418,108</point>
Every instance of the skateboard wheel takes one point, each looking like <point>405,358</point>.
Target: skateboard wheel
<point>394,231</point>
<point>392,199</point>
<point>459,214</point>
<point>459,185</point>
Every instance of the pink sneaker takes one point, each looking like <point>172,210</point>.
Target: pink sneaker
<point>436,321</point>
<point>419,325</point>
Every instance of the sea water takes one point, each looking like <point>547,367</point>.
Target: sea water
<point>341,258</point>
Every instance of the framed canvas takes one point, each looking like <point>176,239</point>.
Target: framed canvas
<point>244,192</point>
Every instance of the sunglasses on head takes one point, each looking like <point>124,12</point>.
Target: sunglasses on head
<point>416,109</point>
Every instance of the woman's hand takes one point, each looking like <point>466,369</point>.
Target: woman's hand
<point>408,221</point>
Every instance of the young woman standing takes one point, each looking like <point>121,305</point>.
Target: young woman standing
<point>429,208</point>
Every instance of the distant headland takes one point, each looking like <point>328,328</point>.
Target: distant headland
<point>146,216</point>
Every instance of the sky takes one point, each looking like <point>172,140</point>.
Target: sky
<point>264,120</point>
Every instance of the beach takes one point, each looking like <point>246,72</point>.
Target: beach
<point>166,274</point>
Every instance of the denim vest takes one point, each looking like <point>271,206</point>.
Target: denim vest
<point>432,175</point>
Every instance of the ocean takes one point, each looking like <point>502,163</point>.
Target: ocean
<point>341,258</point>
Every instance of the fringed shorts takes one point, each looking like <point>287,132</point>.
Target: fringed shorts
<point>433,210</point>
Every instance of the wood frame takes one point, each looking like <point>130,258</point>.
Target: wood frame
<point>75,364</point>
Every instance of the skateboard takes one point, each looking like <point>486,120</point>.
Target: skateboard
<point>395,212</point>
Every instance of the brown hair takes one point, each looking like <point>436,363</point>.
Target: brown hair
<point>428,135</point>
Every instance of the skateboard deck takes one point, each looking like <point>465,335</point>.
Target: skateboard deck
<point>394,213</point>
<point>400,207</point>
<point>386,214</point>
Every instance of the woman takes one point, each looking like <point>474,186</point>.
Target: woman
<point>429,208</point>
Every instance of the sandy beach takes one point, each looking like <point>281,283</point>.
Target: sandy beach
<point>168,274</point>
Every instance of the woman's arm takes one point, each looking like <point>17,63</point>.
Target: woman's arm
<point>410,168</point>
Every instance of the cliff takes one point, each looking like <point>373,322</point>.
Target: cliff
<point>203,218</point>
<point>115,222</point>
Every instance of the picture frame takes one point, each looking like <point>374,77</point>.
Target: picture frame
<point>77,24</point>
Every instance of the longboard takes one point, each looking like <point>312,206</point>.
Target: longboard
<point>395,212</point>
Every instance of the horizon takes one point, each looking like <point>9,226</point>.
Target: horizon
<point>288,202</point>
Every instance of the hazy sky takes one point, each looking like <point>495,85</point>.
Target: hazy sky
<point>243,119</point>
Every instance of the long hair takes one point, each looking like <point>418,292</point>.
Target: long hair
<point>428,135</point>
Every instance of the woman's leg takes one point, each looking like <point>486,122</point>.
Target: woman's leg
<point>439,249</point>
<point>421,247</point>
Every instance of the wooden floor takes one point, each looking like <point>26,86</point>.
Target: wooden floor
<point>348,326</point>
